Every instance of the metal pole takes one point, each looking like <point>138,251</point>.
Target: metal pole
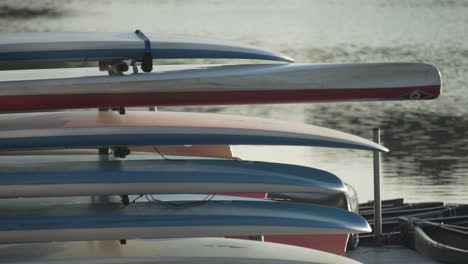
<point>377,189</point>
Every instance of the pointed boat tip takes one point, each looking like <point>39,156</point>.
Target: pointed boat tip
<point>383,149</point>
<point>341,189</point>
<point>280,57</point>
<point>287,59</point>
<point>437,85</point>
<point>361,224</point>
<point>371,146</point>
<point>366,229</point>
<point>375,147</point>
<point>362,228</point>
<point>333,188</point>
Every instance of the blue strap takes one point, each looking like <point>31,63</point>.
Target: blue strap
<point>147,59</point>
<point>145,39</point>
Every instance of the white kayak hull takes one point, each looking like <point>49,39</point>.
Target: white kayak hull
<point>165,251</point>
<point>109,129</point>
<point>46,49</point>
<point>218,85</point>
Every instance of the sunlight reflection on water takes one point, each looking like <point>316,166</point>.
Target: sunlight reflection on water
<point>427,140</point>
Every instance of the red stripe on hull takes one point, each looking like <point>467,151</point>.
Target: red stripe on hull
<point>108,100</point>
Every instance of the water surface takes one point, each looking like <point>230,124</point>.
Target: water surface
<point>428,140</point>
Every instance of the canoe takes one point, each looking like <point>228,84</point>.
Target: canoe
<point>393,209</point>
<point>448,211</point>
<point>405,209</point>
<point>391,226</point>
<point>442,242</point>
<point>385,204</point>
<point>432,213</point>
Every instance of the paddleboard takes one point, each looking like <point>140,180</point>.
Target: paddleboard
<point>175,251</point>
<point>218,85</point>
<point>106,129</point>
<point>81,178</point>
<point>41,220</point>
<point>46,49</point>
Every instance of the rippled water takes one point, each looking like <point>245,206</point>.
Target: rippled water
<point>428,140</point>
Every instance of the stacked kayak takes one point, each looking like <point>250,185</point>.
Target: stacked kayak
<point>124,186</point>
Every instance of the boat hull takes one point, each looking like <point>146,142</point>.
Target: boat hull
<point>164,251</point>
<point>219,85</point>
<point>335,243</point>
<point>47,49</point>
<point>85,219</point>
<point>85,129</point>
<point>47,178</point>
<point>443,242</point>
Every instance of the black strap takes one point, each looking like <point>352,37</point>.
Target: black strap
<point>147,60</point>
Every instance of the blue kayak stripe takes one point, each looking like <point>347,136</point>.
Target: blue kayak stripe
<point>124,177</point>
<point>199,171</point>
<point>89,54</point>
<point>110,140</point>
<point>163,220</point>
